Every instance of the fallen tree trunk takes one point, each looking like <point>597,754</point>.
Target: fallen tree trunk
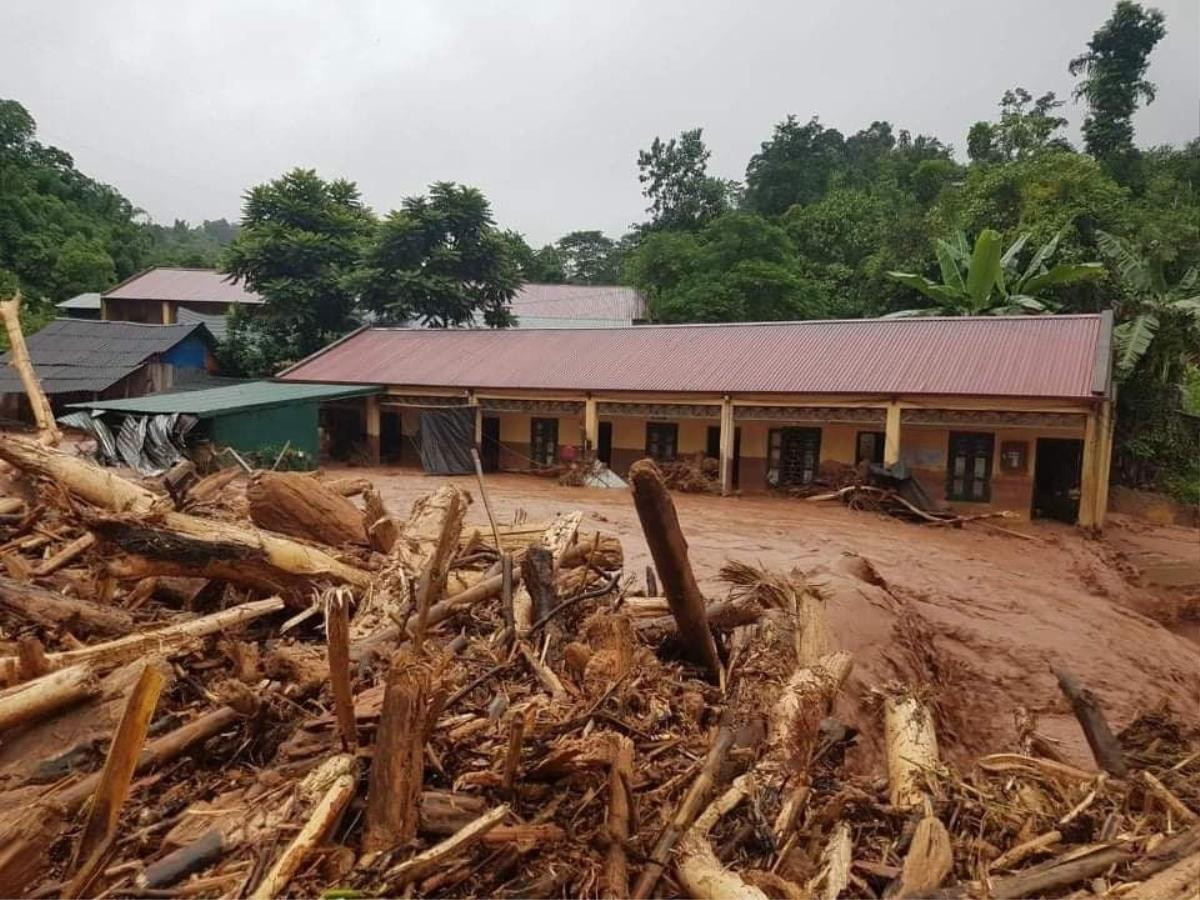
<point>53,610</point>
<point>166,640</point>
<point>191,542</point>
<point>302,506</point>
<point>660,524</point>
<point>43,697</point>
<point>43,415</point>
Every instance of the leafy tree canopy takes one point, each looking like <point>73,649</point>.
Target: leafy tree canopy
<point>299,245</point>
<point>440,259</point>
<point>1026,126</point>
<point>675,179</point>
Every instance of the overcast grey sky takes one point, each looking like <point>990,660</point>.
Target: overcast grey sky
<point>543,105</point>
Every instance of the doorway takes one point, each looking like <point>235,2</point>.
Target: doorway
<point>604,444</point>
<point>391,436</point>
<point>712,448</point>
<point>1057,468</point>
<point>489,450</point>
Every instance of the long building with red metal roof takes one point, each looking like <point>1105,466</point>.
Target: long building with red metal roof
<point>1007,412</point>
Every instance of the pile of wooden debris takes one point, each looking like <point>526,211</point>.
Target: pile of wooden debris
<point>277,691</point>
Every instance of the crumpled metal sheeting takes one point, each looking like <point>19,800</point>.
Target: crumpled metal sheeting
<point>106,445</point>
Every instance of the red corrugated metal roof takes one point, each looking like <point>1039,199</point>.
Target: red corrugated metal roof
<point>579,301</point>
<point>1020,356</point>
<point>182,286</point>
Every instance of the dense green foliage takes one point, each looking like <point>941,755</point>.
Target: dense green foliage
<point>440,260</point>
<point>987,280</point>
<point>194,246</point>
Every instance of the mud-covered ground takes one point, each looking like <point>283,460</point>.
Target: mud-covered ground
<point>978,615</point>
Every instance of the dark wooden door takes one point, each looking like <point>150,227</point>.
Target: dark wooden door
<point>543,441</point>
<point>795,456</point>
<point>604,444</point>
<point>969,469</point>
<point>489,451</point>
<point>1058,468</point>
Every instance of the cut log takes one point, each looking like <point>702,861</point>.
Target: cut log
<point>113,786</point>
<point>167,640</point>
<point>537,574</point>
<point>211,485</point>
<point>394,789</point>
<point>1099,736</point>
<point>382,530</point>
<point>18,358</point>
<point>668,547</point>
<point>330,788</point>
<point>620,819</point>
<point>558,539</point>
<point>36,700</point>
<point>912,750</point>
<point>703,876</point>
<point>193,543</point>
<point>337,641</point>
<point>53,610</point>
<point>296,504</point>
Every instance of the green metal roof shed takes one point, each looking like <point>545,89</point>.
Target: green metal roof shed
<point>248,416</point>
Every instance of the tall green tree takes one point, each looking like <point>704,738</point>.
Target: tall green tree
<point>1114,77</point>
<point>989,280</point>
<point>1026,126</point>
<point>440,259</point>
<point>299,245</point>
<point>674,177</point>
<point>796,166</point>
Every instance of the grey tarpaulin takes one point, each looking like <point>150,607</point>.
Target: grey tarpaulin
<point>447,437</point>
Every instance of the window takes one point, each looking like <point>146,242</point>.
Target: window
<point>793,456</point>
<point>969,472</point>
<point>543,441</point>
<point>869,447</point>
<point>662,440</point>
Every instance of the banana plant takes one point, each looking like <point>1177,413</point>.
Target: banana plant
<point>1158,320</point>
<point>988,281</point>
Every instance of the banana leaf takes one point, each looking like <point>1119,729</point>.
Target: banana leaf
<point>948,263</point>
<point>984,273</point>
<point>930,289</point>
<point>1068,273</point>
<point>1132,340</point>
<point>1043,255</point>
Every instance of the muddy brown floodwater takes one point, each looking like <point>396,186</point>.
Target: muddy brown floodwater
<point>977,614</point>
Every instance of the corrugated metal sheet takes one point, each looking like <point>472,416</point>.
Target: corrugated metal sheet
<point>218,325</point>
<point>72,355</point>
<point>81,301</point>
<point>182,286</point>
<point>230,399</point>
<point>1021,356</point>
<point>578,301</point>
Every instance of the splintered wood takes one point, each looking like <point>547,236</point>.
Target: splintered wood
<point>257,686</point>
